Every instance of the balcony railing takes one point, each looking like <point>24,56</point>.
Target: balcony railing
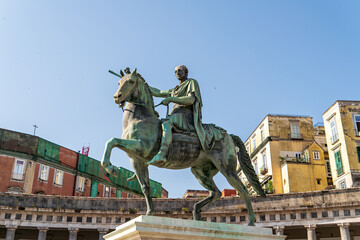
<point>263,170</point>
<point>284,160</point>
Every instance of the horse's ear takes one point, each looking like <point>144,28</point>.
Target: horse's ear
<point>134,72</point>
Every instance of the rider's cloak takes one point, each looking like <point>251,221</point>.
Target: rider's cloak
<point>189,118</point>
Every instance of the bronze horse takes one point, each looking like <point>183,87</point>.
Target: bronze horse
<point>141,141</point>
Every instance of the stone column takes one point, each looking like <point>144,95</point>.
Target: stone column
<point>344,231</point>
<point>10,232</point>
<point>311,235</point>
<point>73,233</point>
<point>102,232</point>
<point>42,233</point>
<point>279,230</point>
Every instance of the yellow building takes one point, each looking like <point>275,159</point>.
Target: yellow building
<point>342,127</point>
<point>282,150</point>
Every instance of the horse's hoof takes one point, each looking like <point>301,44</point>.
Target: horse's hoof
<point>150,213</point>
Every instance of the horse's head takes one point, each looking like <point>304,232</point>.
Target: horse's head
<point>126,87</point>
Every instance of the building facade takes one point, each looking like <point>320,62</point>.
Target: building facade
<point>323,215</point>
<point>286,156</point>
<point>342,127</point>
<point>33,165</point>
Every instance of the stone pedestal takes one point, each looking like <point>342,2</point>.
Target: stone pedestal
<point>151,228</point>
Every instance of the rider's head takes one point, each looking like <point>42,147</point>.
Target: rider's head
<point>181,72</point>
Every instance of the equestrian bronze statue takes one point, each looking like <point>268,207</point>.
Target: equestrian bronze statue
<point>179,141</point>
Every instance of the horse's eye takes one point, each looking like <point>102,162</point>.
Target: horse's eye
<point>131,81</point>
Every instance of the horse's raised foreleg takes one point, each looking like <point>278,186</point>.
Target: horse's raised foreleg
<point>204,174</point>
<point>129,146</point>
<point>142,173</point>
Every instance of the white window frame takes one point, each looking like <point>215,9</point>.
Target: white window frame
<point>316,155</point>
<point>357,130</point>
<point>18,171</point>
<point>334,131</point>
<point>342,184</point>
<point>58,177</point>
<point>295,130</point>
<point>306,155</point>
<point>256,167</point>
<point>80,184</point>
<point>107,191</point>
<point>253,141</point>
<point>43,172</point>
<point>264,159</point>
<point>262,135</point>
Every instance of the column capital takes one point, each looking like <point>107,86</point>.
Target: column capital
<point>43,228</point>
<point>73,229</point>
<point>11,227</point>
<point>310,226</point>
<point>103,230</point>
<point>344,224</point>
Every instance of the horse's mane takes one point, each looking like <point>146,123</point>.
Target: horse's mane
<point>147,88</point>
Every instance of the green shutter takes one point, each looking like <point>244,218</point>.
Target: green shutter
<point>358,151</point>
<point>94,185</point>
<point>339,167</point>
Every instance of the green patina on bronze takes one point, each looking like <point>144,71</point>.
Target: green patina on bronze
<point>177,142</point>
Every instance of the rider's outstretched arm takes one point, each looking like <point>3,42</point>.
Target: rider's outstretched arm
<point>186,100</point>
<point>159,93</point>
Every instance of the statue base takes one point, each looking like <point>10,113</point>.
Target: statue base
<point>151,227</point>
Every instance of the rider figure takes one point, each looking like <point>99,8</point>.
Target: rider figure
<point>186,114</point>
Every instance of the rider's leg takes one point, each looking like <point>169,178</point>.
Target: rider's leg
<point>165,143</point>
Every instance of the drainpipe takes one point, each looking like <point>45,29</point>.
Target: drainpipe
<point>76,172</point>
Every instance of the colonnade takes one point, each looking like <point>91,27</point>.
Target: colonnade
<point>11,229</point>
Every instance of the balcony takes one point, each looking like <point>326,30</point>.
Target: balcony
<point>284,160</point>
<point>263,170</point>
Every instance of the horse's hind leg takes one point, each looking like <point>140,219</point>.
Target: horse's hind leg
<point>142,173</point>
<point>204,174</point>
<point>235,181</point>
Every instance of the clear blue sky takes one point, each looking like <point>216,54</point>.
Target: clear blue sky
<point>250,58</point>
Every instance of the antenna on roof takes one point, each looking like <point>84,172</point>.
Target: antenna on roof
<point>35,127</point>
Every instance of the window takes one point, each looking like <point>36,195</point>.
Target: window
<point>106,191</point>
<point>80,184</point>
<point>262,134</point>
<point>58,177</point>
<point>18,170</point>
<point>306,155</point>
<point>328,169</point>
<point>357,124</point>
<point>254,141</point>
<point>264,160</point>
<point>256,167</point>
<point>339,167</point>
<point>295,130</point>
<point>316,155</point>
<point>342,184</point>
<point>232,219</point>
<point>247,147</point>
<point>334,132</point>
<point>242,219</point>
<point>298,155</point>
<point>336,214</point>
<point>43,172</point>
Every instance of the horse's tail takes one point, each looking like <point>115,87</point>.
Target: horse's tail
<point>246,166</point>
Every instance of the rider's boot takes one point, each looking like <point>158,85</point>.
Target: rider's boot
<point>160,157</point>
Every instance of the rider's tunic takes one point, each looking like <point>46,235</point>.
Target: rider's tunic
<point>188,118</point>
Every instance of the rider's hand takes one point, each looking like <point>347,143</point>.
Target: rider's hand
<point>166,101</point>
